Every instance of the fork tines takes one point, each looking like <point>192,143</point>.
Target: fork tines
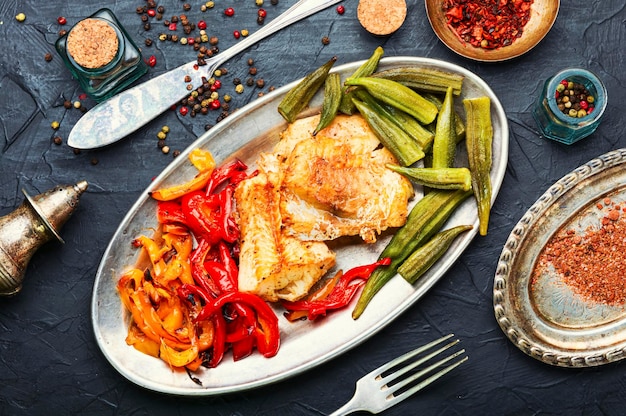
<point>419,362</point>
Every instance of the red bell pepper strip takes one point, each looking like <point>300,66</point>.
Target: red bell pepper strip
<point>243,347</point>
<point>266,333</point>
<point>186,290</point>
<point>219,340</point>
<point>169,212</point>
<point>234,172</point>
<point>229,228</point>
<point>201,216</point>
<point>342,293</point>
<point>227,260</point>
<point>198,272</point>
<point>218,273</point>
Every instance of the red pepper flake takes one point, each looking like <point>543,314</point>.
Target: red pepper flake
<point>488,24</point>
<point>592,263</point>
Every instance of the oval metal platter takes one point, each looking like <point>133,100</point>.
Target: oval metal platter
<point>540,314</point>
<point>244,135</point>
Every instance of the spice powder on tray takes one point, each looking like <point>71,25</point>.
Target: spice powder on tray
<point>593,264</point>
<point>92,43</point>
<point>487,24</point>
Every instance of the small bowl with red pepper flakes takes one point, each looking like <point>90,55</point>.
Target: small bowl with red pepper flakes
<point>491,30</point>
<point>570,105</point>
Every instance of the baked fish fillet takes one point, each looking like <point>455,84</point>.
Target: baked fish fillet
<point>335,183</point>
<point>273,264</point>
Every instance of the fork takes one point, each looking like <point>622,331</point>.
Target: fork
<point>375,391</point>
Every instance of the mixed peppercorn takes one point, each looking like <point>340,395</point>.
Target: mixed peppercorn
<point>573,99</point>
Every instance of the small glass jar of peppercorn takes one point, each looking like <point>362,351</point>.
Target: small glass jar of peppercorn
<point>570,105</point>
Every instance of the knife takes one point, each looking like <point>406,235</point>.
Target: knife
<point>122,114</point>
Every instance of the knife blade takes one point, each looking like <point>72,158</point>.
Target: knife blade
<point>126,112</point>
<point>122,114</point>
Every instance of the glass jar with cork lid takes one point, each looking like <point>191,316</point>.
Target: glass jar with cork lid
<point>101,55</point>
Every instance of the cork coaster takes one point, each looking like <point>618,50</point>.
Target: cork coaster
<point>381,17</point>
<point>92,43</point>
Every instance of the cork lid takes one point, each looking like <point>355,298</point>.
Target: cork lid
<point>92,43</point>
<point>381,18</point>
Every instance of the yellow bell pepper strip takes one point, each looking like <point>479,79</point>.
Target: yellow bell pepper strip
<point>346,106</point>
<point>343,292</point>
<point>332,99</point>
<point>444,145</point>
<point>202,159</point>
<point>178,358</point>
<point>479,138</point>
<point>141,342</point>
<point>168,194</point>
<point>425,256</point>
<point>399,96</point>
<point>425,219</point>
<point>444,178</point>
<point>299,96</point>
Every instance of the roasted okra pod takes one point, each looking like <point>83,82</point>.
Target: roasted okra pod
<point>300,96</point>
<point>479,138</point>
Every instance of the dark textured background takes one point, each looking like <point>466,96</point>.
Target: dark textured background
<point>49,360</point>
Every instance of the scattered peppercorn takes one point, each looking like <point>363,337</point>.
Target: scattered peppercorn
<point>229,11</point>
<point>77,104</point>
<point>61,20</point>
<point>55,125</point>
<point>94,161</point>
<point>57,140</point>
<point>20,17</point>
<point>325,40</point>
<point>67,104</point>
<point>148,42</point>
<point>341,9</point>
<point>48,57</point>
<point>165,149</point>
<point>176,153</point>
